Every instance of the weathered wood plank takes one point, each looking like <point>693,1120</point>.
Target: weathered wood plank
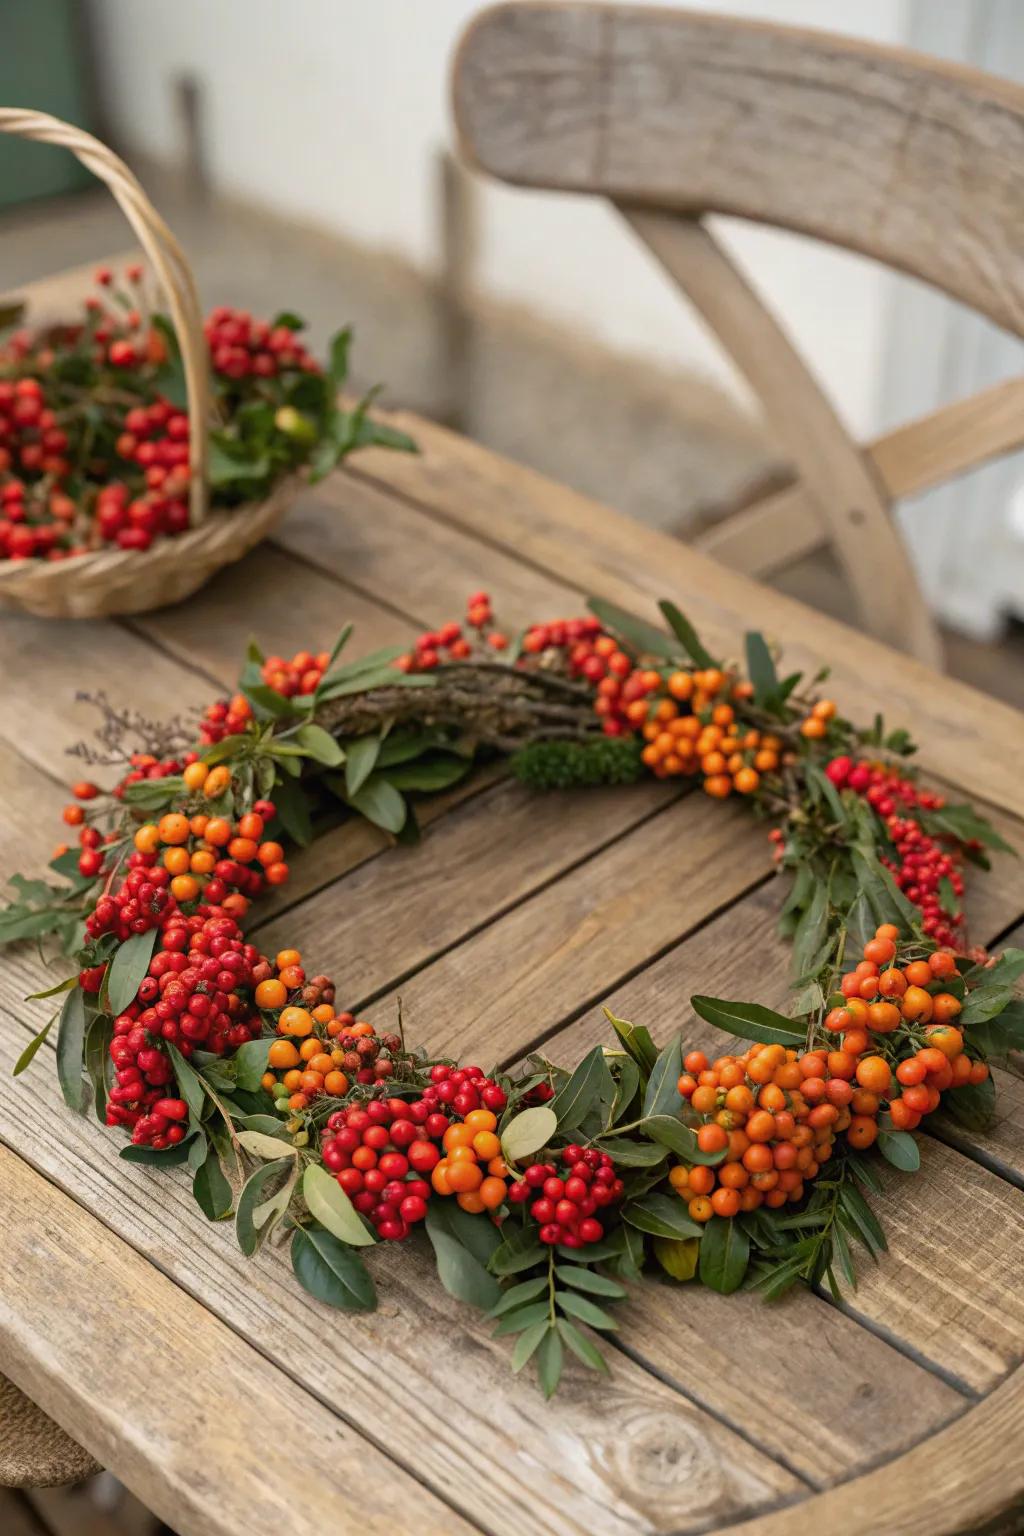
<point>91,1354</point>
<point>625,1454</point>
<point>282,602</point>
<point>491,853</point>
<point>876,149</point>
<point>383,546</point>
<point>517,980</point>
<point>607,554</point>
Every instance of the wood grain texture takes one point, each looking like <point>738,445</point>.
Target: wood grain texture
<point>623,1455</point>
<point>912,161</point>
<point>489,855</point>
<point>513,983</point>
<point>850,501</point>
<point>604,553</point>
<point>68,1339</point>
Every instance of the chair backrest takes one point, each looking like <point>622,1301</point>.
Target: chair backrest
<point>912,161</point>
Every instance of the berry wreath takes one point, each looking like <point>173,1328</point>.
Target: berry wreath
<point>540,1188</point>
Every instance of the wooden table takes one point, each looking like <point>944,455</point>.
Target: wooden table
<point>229,1400</point>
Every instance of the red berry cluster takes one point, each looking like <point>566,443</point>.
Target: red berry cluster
<point>241,346</point>
<point>143,901</point>
<point>379,1153</point>
<point>225,717</point>
<point>450,643</point>
<point>922,862</point>
<point>195,992</point>
<point>598,659</point>
<point>564,1205</point>
<point>29,434</point>
<point>464,1089</point>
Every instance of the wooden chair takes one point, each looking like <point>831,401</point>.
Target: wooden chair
<point>674,115</point>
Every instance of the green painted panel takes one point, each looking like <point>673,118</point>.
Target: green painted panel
<point>43,64</point>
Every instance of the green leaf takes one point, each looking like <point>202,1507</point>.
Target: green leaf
<point>439,771</point>
<point>526,1344</point>
<point>527,1132</point>
<point>643,638</point>
<point>963,823</point>
<point>337,366</point>
<point>678,1257</point>
<point>332,1271</point>
<point>632,1154</point>
<point>520,1249</point>
<point>576,1097</point>
<point>333,1209</point>
<point>229,463</point>
<point>380,803</point>
<point>461,1274</point>
<point>636,1038</point>
<point>761,670</point>
<point>661,1216</point>
<point>360,760</point>
<point>549,1362</point>
<point>863,1218</point>
<point>170,1157</point>
<point>189,1084</point>
<point>900,1149</point>
<point>128,967</point>
<point>288,319</point>
<point>516,1295</point>
<point>585,1311</point>
<point>662,1096</point>
<point>523,1317</point>
<point>583,1279</point>
<point>30,1050</point>
<point>263,1145</point>
<point>973,1105</point>
<point>686,635</point>
<point>582,1346</point>
<point>319,745</point>
<point>267,703</point>
<point>62,986</point>
<point>724,1255</point>
<point>293,811</point>
<point>750,1021</point>
<point>377,433</point>
<point>211,1189</point>
<point>70,1043</point>
<point>250,1063</point>
<point>250,1232</point>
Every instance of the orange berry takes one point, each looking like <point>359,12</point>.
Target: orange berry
<point>292,1078</point>
<point>892,983</point>
<point>813,728</point>
<point>917,1005</point>
<point>746,780</point>
<point>335,1083</point>
<point>184,888</point>
<point>300,1101</point>
<point>218,831</point>
<point>195,776</point>
<point>944,1038</point>
<point>880,951</point>
<point>862,1131</point>
<point>491,1192</point>
<point>486,1145</point>
<point>481,1120</point>
<point>719,786</point>
<point>725,1202</point>
<point>276,874</point>
<point>292,975</point>
<point>883,1017</point>
<point>243,849</point>
<point>295,1021</point>
<point>945,1007</point>
<point>712,1138</point>
<point>702,1180</point>
<point>147,838</point>
<point>217,781</point>
<point>873,1073</point>
<point>824,710</point>
<point>269,853</point>
<point>438,1177</point>
<point>464,1176</point>
<point>679,1176</point>
<point>282,1055</point>
<point>177,861</point>
<point>700,1209</point>
<point>173,828</point>
<point>918,973</point>
<point>704,1099</point>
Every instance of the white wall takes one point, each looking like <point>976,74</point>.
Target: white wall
<point>331,110</point>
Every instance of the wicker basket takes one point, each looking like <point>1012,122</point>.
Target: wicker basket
<point>112,581</point>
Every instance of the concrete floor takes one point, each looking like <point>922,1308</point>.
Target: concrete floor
<point>669,449</point>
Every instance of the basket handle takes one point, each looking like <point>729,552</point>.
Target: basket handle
<point>167,259</point>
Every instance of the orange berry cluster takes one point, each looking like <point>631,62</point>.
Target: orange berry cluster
<point>472,1167</point>
<point>211,858</point>
<point>815,725</point>
<point>775,1113</point>
<point>299,676</point>
<point>754,1112</point>
<point>694,731</point>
